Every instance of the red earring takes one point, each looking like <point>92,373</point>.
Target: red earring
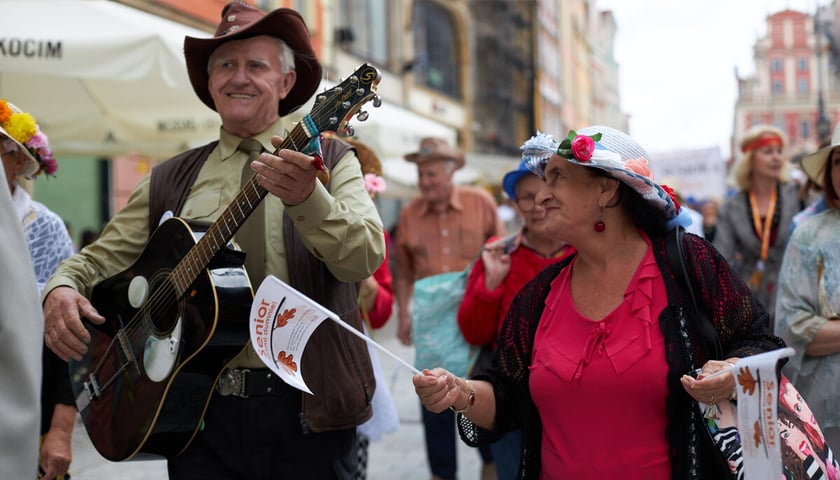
<point>599,225</point>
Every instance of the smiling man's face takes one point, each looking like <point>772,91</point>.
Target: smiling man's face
<point>247,80</point>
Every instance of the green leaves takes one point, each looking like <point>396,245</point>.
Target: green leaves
<point>565,148</point>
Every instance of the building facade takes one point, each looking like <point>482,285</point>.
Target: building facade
<point>795,86</point>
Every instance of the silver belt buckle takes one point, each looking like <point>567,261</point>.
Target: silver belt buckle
<point>232,382</point>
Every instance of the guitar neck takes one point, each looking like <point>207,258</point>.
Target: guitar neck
<point>223,229</point>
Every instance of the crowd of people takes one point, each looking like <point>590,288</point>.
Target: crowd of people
<point>578,314</point>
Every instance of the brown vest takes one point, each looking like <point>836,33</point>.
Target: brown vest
<point>338,368</point>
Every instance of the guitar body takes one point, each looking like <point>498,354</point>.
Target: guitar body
<point>146,380</point>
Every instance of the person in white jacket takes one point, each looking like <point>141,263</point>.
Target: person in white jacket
<point>22,327</point>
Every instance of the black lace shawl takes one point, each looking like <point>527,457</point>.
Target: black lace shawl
<point>739,319</point>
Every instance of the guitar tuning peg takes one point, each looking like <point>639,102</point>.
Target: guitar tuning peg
<point>354,79</point>
<point>349,131</point>
<point>377,101</point>
<point>320,98</point>
<point>362,116</point>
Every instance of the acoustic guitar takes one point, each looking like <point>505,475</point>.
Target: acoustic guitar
<point>181,310</point>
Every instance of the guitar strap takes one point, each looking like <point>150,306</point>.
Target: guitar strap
<point>708,335</point>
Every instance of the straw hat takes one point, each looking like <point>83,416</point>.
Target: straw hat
<point>435,149</point>
<point>240,21</point>
<point>814,164</point>
<point>607,149</point>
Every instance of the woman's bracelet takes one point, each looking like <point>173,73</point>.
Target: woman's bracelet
<point>734,394</point>
<point>470,399</point>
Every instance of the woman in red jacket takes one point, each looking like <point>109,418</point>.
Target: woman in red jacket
<point>506,266</point>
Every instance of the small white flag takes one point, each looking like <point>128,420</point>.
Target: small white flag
<point>758,425</point>
<point>282,320</point>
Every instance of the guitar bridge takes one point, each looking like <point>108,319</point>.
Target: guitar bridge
<point>91,391</point>
<point>92,387</point>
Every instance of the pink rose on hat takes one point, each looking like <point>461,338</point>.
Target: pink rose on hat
<point>582,147</point>
<point>578,147</point>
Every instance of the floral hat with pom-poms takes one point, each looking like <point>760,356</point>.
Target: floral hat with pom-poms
<point>609,149</point>
<point>21,128</point>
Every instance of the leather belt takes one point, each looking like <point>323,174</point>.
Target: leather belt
<point>244,382</point>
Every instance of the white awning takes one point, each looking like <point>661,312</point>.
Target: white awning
<point>102,78</point>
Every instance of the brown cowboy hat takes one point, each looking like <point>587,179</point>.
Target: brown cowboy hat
<point>432,149</point>
<point>240,21</point>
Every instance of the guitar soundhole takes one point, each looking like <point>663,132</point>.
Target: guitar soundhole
<point>164,306</point>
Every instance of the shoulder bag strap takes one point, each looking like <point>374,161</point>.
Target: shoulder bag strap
<point>709,337</point>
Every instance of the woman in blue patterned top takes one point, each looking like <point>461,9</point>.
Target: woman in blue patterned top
<point>808,300</point>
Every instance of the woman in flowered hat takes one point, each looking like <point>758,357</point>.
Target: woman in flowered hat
<point>753,224</point>
<point>591,363</point>
<point>808,303</point>
<point>26,153</point>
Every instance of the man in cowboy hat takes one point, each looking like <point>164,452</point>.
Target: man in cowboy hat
<point>321,237</point>
<point>441,231</point>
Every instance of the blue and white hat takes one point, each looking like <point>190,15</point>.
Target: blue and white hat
<point>608,149</point>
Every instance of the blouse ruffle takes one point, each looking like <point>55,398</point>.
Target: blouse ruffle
<point>624,335</point>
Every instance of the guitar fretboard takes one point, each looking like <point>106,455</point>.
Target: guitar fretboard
<point>223,229</point>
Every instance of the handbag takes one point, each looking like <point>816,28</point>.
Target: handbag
<point>437,338</point>
<point>438,341</point>
<point>805,454</point>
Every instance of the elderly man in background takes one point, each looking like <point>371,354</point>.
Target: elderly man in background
<point>441,231</point>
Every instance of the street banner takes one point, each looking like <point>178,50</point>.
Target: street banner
<point>282,320</point>
<point>758,394</point>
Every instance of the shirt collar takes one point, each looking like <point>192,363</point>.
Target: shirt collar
<point>229,142</point>
<point>454,202</point>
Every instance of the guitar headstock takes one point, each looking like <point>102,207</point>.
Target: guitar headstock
<point>335,107</point>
